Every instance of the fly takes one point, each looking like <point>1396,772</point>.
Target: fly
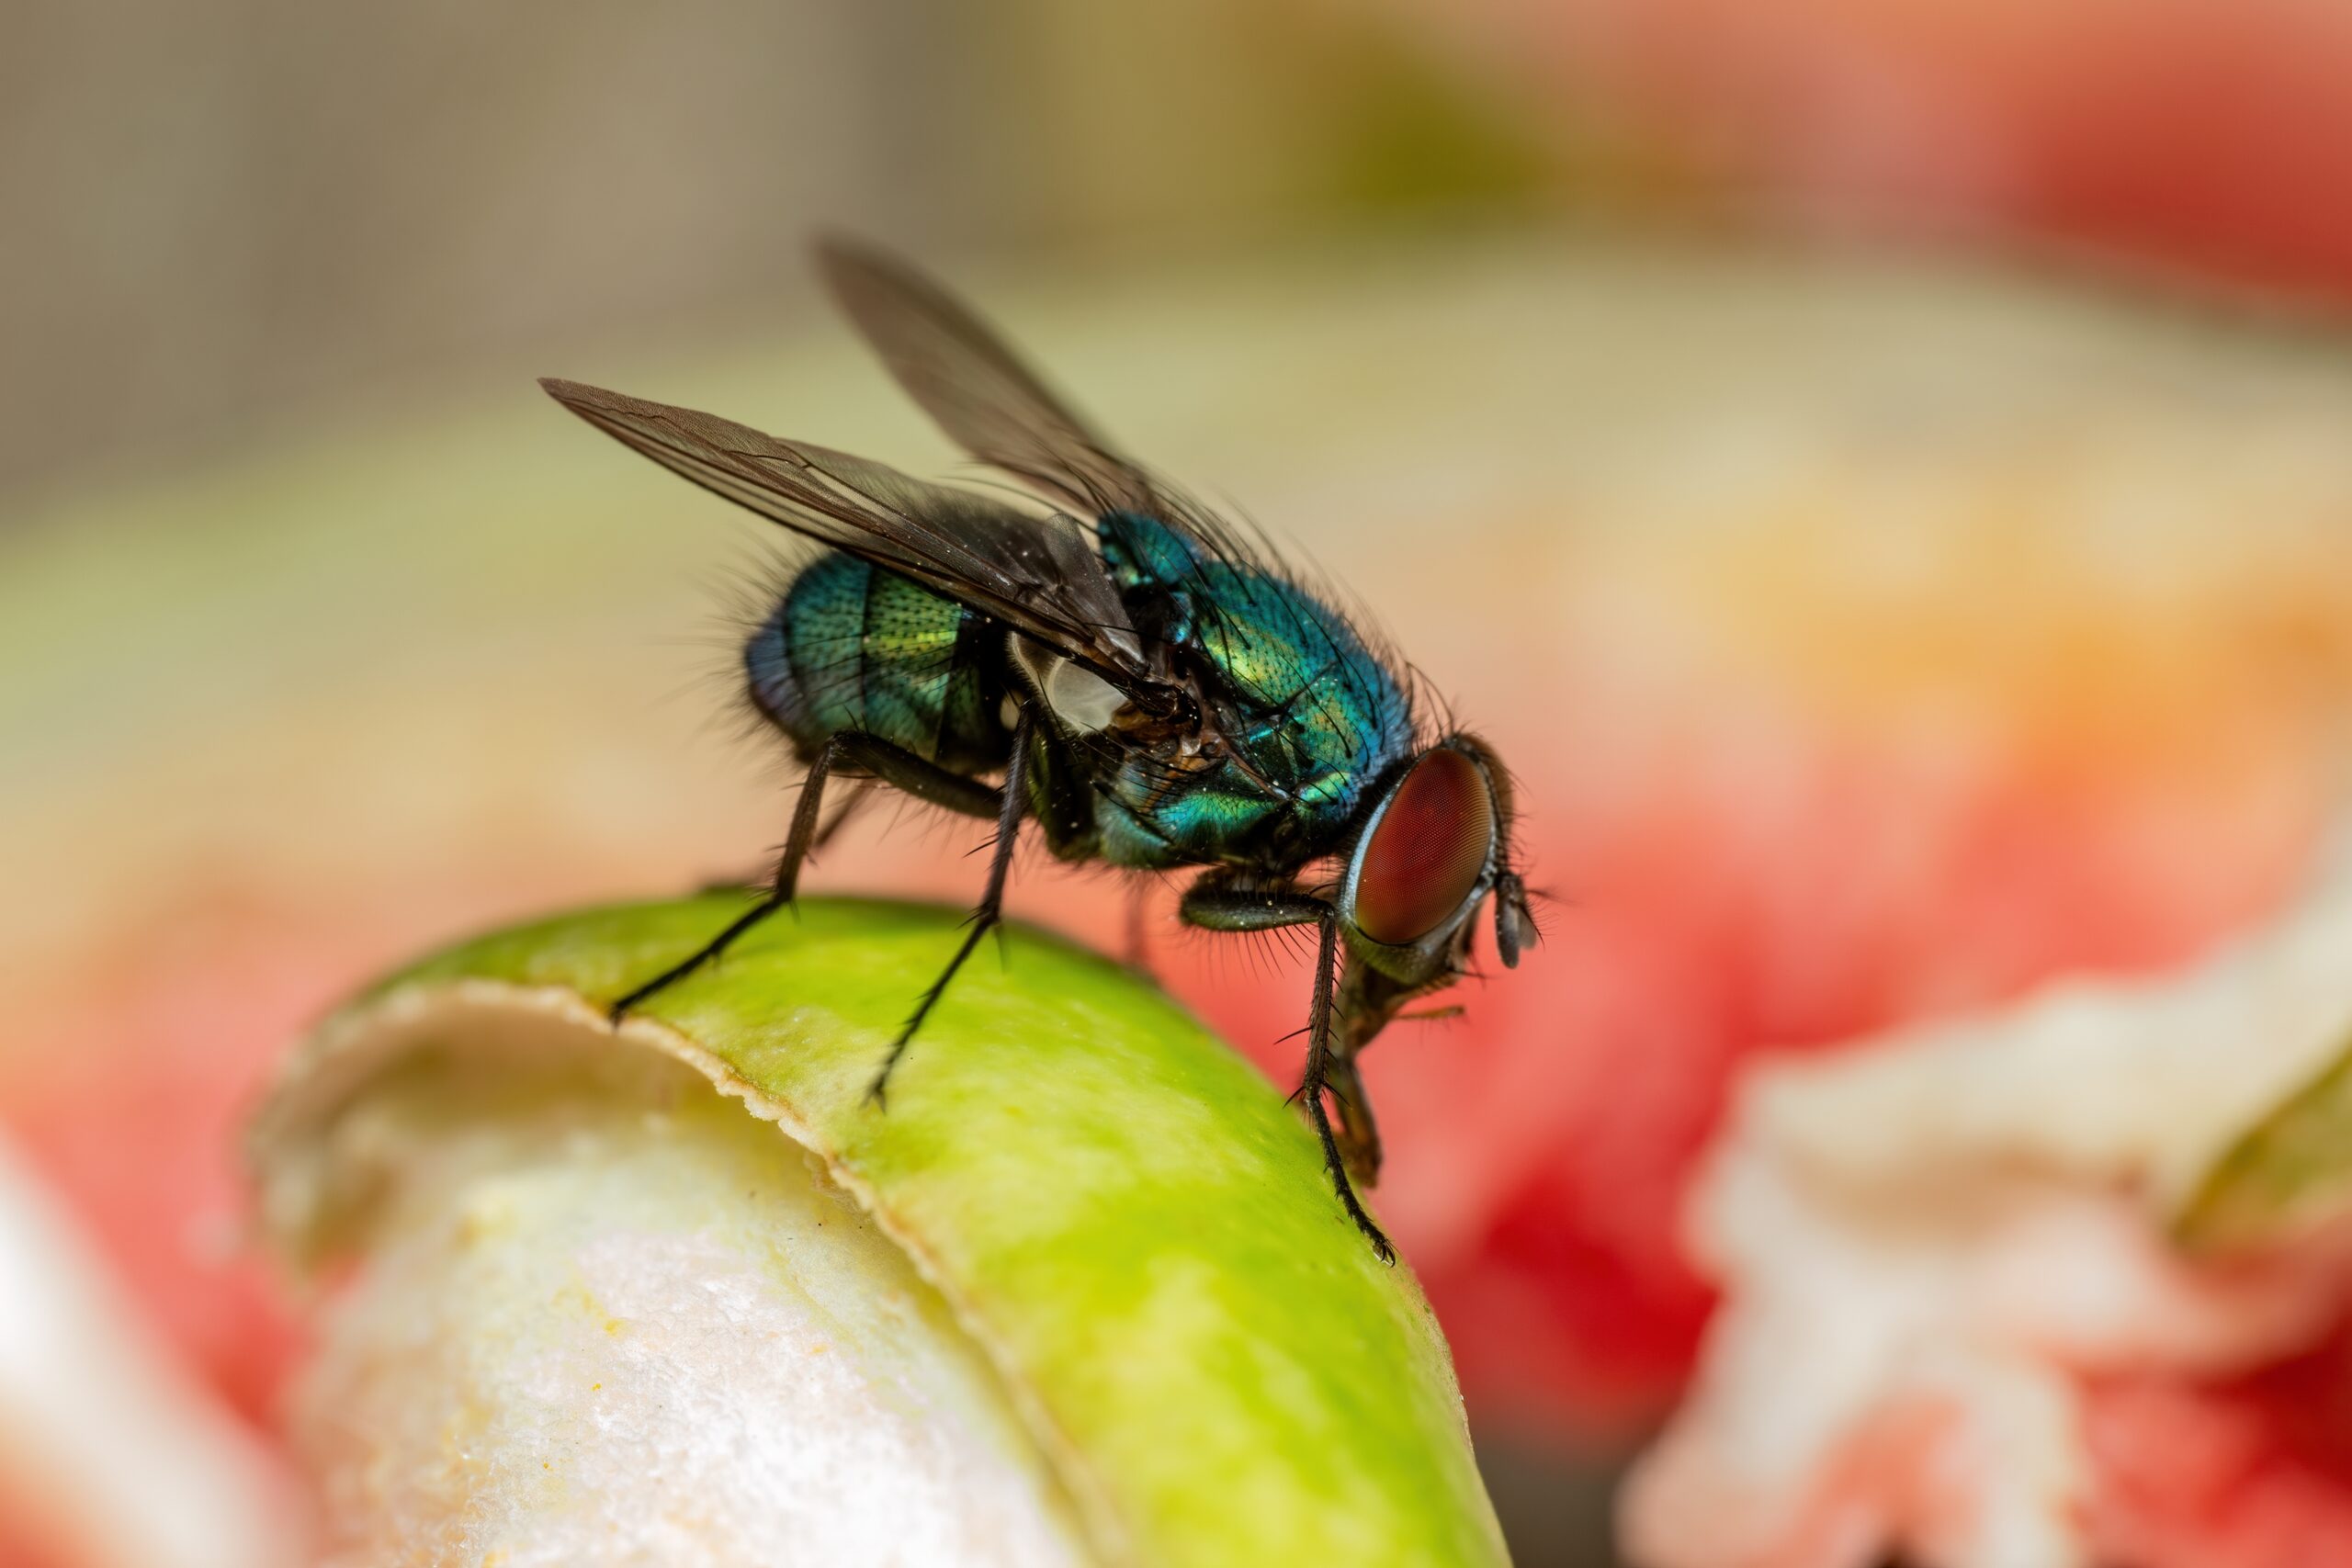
<point>1142,682</point>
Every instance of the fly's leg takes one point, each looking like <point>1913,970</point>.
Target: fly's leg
<point>1139,955</point>
<point>1366,1002</point>
<point>1218,903</point>
<point>1359,1133</point>
<point>1214,903</point>
<point>1012,801</point>
<point>891,764</point>
<point>860,792</point>
<point>1311,1085</point>
<point>780,886</point>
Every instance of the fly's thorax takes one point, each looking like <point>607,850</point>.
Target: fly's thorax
<point>1145,553</point>
<point>853,647</point>
<point>1211,823</point>
<point>1301,716</point>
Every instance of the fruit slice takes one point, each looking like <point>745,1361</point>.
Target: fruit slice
<point>1118,1215</point>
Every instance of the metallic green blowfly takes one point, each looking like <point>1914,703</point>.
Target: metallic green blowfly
<point>1147,684</point>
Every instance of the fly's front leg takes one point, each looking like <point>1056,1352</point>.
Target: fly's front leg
<point>1215,903</point>
<point>1311,1086</point>
<point>1359,1133</point>
<point>1367,1001</point>
<point>1010,803</point>
<point>891,764</point>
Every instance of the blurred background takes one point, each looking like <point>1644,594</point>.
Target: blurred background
<point>1877,472</point>
<point>237,218</point>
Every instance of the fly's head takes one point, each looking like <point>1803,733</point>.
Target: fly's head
<point>1435,849</point>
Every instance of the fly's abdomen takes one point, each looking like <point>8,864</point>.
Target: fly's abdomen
<point>853,647</point>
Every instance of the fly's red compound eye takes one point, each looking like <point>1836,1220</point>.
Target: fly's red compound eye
<point>1428,852</point>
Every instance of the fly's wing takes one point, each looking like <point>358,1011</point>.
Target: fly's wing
<point>1035,574</point>
<point>973,386</point>
<point>989,401</point>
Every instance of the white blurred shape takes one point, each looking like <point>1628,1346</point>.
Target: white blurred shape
<point>1926,1241</point>
<point>113,1454</point>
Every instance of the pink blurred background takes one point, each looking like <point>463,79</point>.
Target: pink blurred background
<point>1873,470</point>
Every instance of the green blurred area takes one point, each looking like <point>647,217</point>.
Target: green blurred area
<point>228,217</point>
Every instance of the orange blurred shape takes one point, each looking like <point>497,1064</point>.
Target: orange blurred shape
<point>2204,136</point>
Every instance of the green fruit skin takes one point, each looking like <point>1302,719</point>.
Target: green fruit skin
<point>1120,1209</point>
<point>2288,1176</point>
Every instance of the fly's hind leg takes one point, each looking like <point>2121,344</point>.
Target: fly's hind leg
<point>781,885</point>
<point>861,790</point>
<point>1010,803</point>
<point>1218,904</point>
<point>891,764</point>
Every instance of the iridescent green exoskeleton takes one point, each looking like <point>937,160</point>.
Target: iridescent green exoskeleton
<point>1150,689</point>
